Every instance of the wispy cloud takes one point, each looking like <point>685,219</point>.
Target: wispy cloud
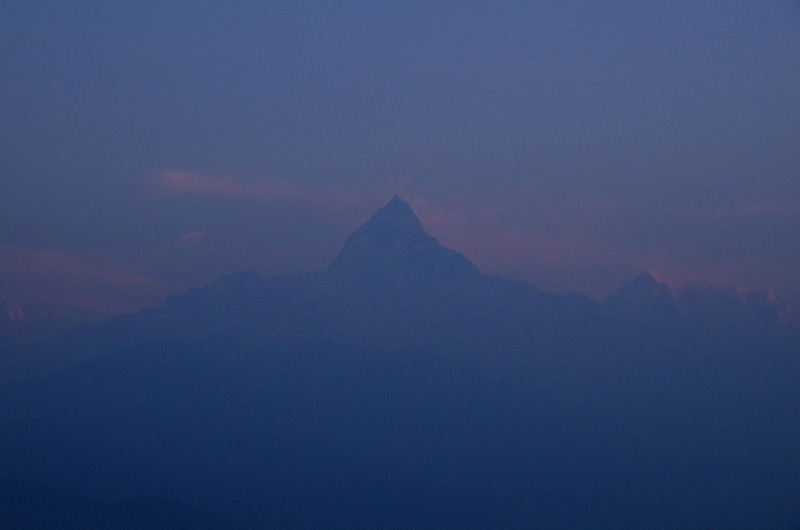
<point>195,237</point>
<point>67,281</point>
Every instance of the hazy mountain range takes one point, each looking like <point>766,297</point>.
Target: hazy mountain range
<point>403,388</point>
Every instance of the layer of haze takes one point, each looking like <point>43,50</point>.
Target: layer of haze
<point>151,146</point>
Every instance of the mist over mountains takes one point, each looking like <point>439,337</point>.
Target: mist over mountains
<point>403,388</point>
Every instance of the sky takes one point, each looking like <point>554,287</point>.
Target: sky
<point>148,147</point>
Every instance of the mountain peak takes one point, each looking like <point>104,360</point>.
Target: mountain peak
<point>394,247</point>
<point>644,298</point>
<point>394,221</point>
<point>645,290</point>
<point>398,202</point>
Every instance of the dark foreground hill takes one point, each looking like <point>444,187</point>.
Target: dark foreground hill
<point>401,388</point>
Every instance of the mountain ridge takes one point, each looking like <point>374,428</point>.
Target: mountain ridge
<point>393,262</point>
<point>413,399</point>
<point>654,302</point>
<point>393,284</point>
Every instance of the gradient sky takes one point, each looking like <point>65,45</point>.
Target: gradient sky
<point>152,146</point>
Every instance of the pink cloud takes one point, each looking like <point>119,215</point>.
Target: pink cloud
<point>194,237</point>
<point>497,234</point>
<point>65,281</point>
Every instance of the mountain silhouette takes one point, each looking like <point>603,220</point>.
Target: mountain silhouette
<point>403,388</point>
<point>393,282</point>
<point>393,251</point>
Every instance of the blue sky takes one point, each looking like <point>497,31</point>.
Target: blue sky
<point>151,146</point>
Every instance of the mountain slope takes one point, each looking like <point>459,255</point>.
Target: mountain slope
<point>402,388</point>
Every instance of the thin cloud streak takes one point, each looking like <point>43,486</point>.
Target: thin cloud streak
<point>70,282</point>
<point>264,191</point>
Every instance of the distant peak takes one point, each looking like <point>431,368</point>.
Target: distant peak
<point>644,288</point>
<point>393,243</point>
<point>397,207</point>
<point>395,221</point>
<point>398,202</point>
